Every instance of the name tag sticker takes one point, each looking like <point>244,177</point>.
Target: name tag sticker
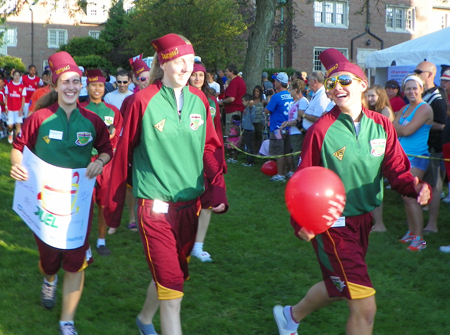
<point>339,223</point>
<point>55,135</point>
<point>160,206</point>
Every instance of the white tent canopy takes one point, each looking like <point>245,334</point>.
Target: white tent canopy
<point>434,47</point>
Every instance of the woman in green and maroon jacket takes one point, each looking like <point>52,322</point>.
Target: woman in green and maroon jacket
<point>360,146</point>
<point>169,139</point>
<point>52,134</point>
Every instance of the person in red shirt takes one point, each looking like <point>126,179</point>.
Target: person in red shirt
<point>233,96</point>
<point>393,91</point>
<point>32,83</point>
<point>2,107</point>
<point>15,97</point>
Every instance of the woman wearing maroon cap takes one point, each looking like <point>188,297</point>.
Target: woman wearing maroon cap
<point>198,80</point>
<point>360,146</point>
<point>52,134</point>
<point>169,139</point>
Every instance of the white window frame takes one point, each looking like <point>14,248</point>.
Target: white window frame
<point>407,15</point>
<point>270,59</point>
<point>58,7</point>
<point>9,41</point>
<point>58,42</point>
<point>335,17</point>
<point>94,34</point>
<point>317,65</point>
<point>445,20</point>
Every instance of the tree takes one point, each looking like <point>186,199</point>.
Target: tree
<point>258,42</point>
<point>93,62</point>
<point>214,27</point>
<point>115,33</point>
<point>8,63</point>
<point>87,45</point>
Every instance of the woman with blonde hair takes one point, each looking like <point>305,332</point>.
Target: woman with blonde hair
<point>169,140</point>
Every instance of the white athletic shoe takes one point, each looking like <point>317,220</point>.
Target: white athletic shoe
<point>281,321</point>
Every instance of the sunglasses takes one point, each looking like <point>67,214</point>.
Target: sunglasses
<point>343,79</point>
<point>142,79</point>
<point>417,71</point>
<point>122,82</point>
<point>392,86</point>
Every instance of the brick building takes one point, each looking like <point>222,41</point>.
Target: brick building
<point>348,26</point>
<point>38,30</point>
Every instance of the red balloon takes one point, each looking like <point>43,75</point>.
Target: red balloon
<point>315,197</point>
<point>269,168</point>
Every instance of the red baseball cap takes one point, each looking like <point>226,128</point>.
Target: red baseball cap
<point>334,61</point>
<point>60,63</point>
<point>170,47</point>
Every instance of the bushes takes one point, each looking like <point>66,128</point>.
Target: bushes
<point>86,45</point>
<point>7,63</point>
<point>92,62</point>
<point>289,70</point>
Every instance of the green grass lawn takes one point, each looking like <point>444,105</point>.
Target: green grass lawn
<point>257,263</point>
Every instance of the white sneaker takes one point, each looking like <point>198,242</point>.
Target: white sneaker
<point>445,248</point>
<point>281,321</point>
<point>204,256</point>
<point>277,177</point>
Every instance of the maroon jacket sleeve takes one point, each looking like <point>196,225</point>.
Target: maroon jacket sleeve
<point>213,168</point>
<point>220,153</point>
<point>129,138</point>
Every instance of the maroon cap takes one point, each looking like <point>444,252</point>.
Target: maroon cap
<point>170,47</point>
<point>95,76</point>
<point>334,61</point>
<point>199,67</point>
<point>139,66</point>
<point>60,63</point>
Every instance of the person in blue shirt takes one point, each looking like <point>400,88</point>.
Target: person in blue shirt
<point>280,145</point>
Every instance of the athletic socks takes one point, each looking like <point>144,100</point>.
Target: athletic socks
<point>53,283</point>
<point>62,323</point>
<point>291,324</point>
<point>100,242</point>
<point>198,248</point>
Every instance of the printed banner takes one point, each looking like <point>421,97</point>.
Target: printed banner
<point>54,202</point>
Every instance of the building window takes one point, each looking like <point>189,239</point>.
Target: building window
<point>58,7</point>
<point>92,9</point>
<point>332,14</point>
<point>400,19</point>
<point>444,21</point>
<point>57,37</point>
<point>9,38</point>
<point>317,66</point>
<point>94,34</point>
<point>270,59</point>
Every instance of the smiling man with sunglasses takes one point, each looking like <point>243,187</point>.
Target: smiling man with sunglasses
<point>117,97</point>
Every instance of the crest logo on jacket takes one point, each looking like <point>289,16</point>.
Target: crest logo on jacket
<point>196,121</point>
<point>83,138</point>
<point>160,125</point>
<point>340,153</point>
<point>378,147</point>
